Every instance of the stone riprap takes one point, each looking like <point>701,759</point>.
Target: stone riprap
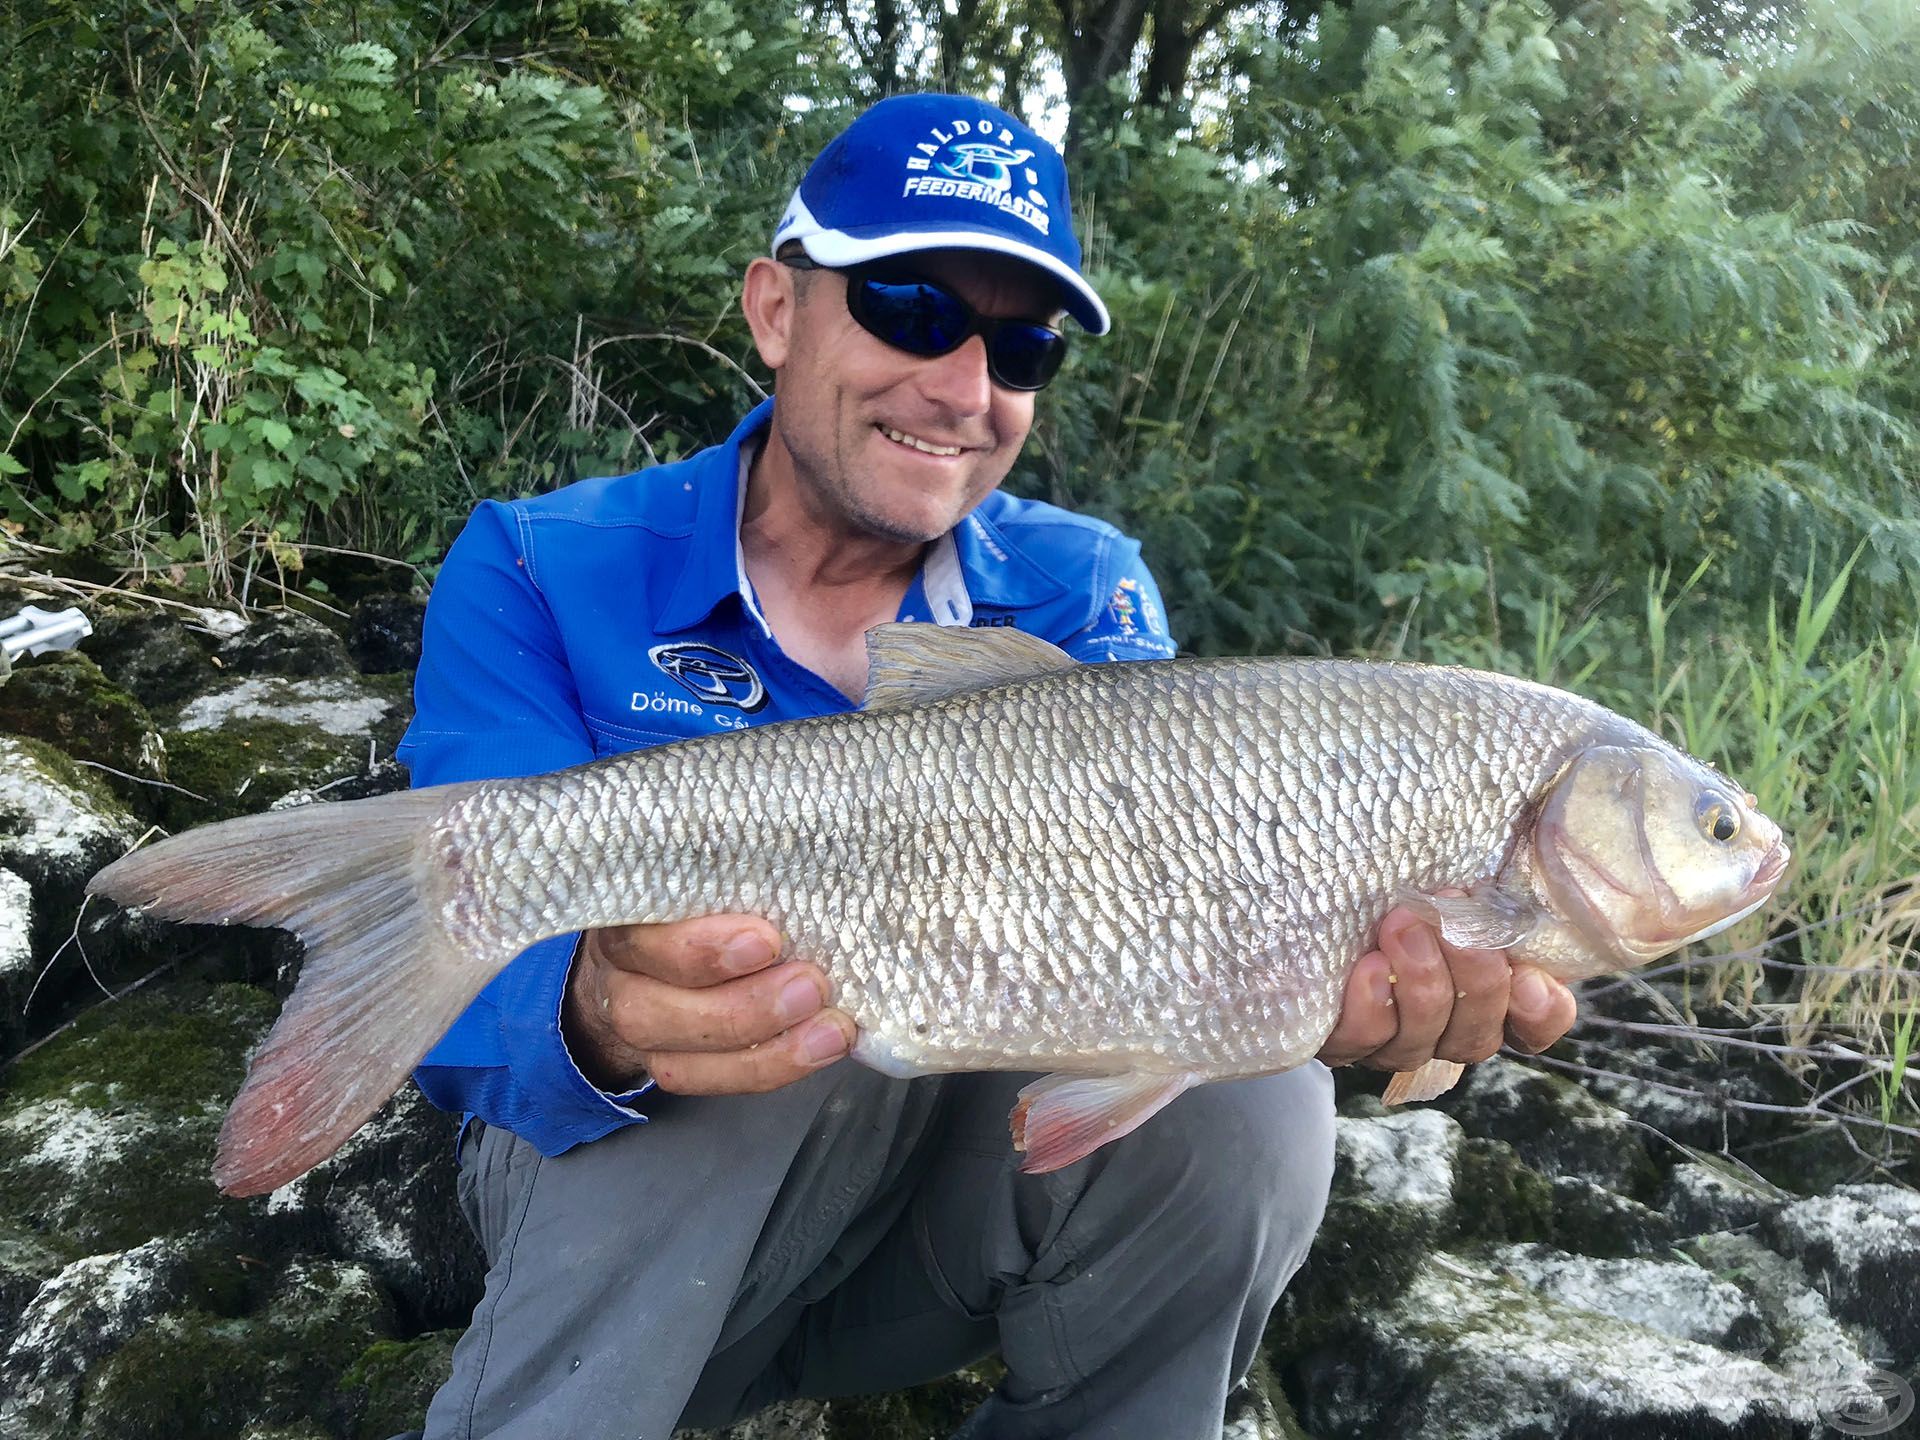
<point>1527,1258</point>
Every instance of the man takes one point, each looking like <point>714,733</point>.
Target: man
<point>689,1209</point>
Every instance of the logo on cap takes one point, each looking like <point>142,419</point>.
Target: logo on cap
<point>969,160</point>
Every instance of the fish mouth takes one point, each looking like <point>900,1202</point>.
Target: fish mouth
<point>1773,867</point>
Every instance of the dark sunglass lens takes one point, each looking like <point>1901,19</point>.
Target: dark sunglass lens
<point>1025,357</point>
<point>919,318</point>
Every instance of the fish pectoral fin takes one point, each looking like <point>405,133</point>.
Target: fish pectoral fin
<point>1064,1118</point>
<point>1431,1080</point>
<point>1488,919</point>
<point>918,664</point>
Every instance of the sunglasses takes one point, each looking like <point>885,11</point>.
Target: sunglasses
<point>927,319</point>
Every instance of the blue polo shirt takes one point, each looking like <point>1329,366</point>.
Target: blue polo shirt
<point>615,614</point>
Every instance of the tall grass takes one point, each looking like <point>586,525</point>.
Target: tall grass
<point>1827,739</point>
<point>1827,736</point>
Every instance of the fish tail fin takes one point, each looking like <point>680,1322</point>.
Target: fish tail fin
<point>381,982</point>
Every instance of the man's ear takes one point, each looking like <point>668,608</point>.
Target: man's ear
<point>769,301</point>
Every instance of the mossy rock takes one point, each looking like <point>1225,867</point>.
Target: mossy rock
<point>1363,1256</point>
<point>58,821</point>
<point>387,1390</point>
<point>1499,1196</point>
<point>925,1412</point>
<point>194,1376</point>
<point>1594,1220</point>
<point>26,1263</point>
<point>286,643</point>
<point>65,700</point>
<point>153,656</point>
<point>244,766</point>
<point>109,1128</point>
<point>1555,1126</point>
<point>384,637</point>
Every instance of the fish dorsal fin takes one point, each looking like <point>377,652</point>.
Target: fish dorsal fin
<point>915,664</point>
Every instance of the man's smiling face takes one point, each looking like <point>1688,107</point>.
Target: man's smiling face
<point>892,445</point>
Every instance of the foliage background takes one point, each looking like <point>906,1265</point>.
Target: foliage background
<point>1576,339</point>
<point>1430,313</point>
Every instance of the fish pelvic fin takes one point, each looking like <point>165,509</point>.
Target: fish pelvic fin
<point>1430,1081</point>
<point>1063,1118</point>
<point>381,980</point>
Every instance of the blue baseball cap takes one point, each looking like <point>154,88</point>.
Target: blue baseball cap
<point>941,172</point>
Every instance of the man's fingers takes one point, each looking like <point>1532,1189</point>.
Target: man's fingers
<point>1541,1010</point>
<point>691,953</point>
<point>1481,982</point>
<point>653,1015</point>
<point>1422,992</point>
<point>1368,1016</point>
<point>789,1056</point>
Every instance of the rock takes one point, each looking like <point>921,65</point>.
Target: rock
<point>1554,1125</point>
<point>1379,1223</point>
<point>1700,1117</point>
<point>384,778</point>
<point>191,1375</point>
<point>336,704</point>
<point>78,1317</point>
<point>1862,1244</point>
<point>58,824</point>
<point>282,642</point>
<point>17,970</point>
<point>925,1412</point>
<point>1702,1197</point>
<point>386,1200</point>
<point>1808,1346</point>
<point>788,1420</point>
<point>387,1390</point>
<point>240,749</point>
<point>65,700</point>
<point>1405,1159</point>
<point>160,658</point>
<point>1499,1196</point>
<point>107,1131</point>
<point>384,636</point>
<point>26,1263</point>
<point>1676,1299</point>
<point>1258,1409</point>
<point>1599,1221</point>
<point>1459,1358</point>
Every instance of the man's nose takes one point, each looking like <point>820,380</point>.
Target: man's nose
<point>958,380</point>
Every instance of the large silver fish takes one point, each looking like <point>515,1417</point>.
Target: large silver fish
<point>1137,877</point>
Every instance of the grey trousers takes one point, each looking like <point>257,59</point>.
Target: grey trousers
<point>854,1234</point>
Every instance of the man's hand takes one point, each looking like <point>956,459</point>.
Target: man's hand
<point>1417,998</point>
<point>699,1005</point>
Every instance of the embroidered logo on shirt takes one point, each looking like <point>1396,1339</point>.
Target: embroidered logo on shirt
<point>1130,610</point>
<point>711,674</point>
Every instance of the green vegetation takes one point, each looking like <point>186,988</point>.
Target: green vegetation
<point>1458,329</point>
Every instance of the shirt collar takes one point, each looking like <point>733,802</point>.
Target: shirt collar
<point>711,568</point>
<point>972,564</point>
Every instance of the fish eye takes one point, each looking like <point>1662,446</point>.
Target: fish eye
<point>1717,817</point>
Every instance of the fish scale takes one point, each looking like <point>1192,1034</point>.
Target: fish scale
<point>1024,866</point>
<point>1136,877</point>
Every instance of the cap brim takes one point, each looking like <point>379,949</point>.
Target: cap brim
<point>839,248</point>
